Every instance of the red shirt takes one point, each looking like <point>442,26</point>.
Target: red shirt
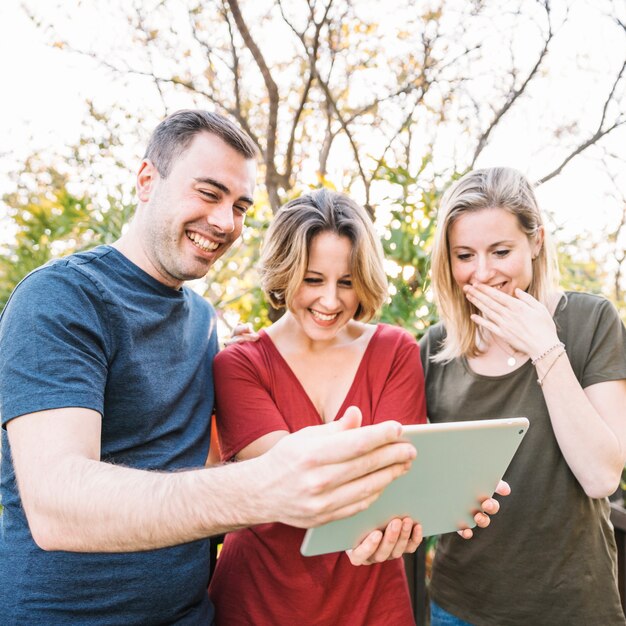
<point>261,577</point>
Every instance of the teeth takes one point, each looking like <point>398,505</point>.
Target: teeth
<point>202,243</point>
<point>322,317</point>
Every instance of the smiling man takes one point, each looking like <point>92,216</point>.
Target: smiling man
<point>106,393</point>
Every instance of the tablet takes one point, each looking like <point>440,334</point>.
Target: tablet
<point>458,465</point>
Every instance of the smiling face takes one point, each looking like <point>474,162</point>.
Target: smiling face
<point>326,301</point>
<point>191,217</point>
<point>488,246</point>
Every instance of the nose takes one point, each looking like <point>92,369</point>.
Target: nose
<point>328,298</point>
<point>482,270</point>
<point>221,218</point>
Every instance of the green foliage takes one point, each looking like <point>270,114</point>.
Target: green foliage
<point>51,221</point>
<point>577,273</point>
<point>406,244</point>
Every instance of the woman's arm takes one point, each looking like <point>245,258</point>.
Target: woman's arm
<point>589,424</point>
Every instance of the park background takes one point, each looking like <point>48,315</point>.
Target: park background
<point>389,101</point>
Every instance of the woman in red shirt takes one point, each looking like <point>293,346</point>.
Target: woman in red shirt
<point>323,263</point>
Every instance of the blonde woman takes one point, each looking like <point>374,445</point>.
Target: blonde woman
<point>511,343</point>
<point>322,262</point>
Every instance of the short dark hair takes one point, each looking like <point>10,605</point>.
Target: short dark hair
<point>174,134</point>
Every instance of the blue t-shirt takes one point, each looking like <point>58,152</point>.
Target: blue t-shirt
<point>95,331</point>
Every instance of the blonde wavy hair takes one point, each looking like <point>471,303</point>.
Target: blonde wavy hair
<point>285,254</point>
<point>495,187</point>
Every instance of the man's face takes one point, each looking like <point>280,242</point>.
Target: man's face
<point>191,217</point>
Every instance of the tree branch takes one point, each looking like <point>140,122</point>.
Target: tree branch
<point>514,94</point>
<point>313,57</point>
<point>271,177</point>
<point>599,134</point>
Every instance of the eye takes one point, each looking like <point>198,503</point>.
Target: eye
<point>313,281</point>
<point>502,253</point>
<point>346,282</point>
<point>241,208</point>
<point>464,257</point>
<point>208,195</point>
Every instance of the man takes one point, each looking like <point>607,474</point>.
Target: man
<point>105,398</point>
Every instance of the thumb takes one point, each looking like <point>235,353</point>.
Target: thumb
<point>350,419</point>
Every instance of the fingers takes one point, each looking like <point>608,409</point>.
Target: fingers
<point>486,294</point>
<point>342,441</point>
<point>348,498</point>
<point>242,333</point>
<point>362,553</point>
<point>520,294</point>
<point>503,488</point>
<point>482,520</point>
<point>352,418</point>
<point>488,324</point>
<point>487,298</point>
<point>400,536</point>
<point>395,541</point>
<point>415,539</point>
<point>489,506</point>
<point>336,469</point>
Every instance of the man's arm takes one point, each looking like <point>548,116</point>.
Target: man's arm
<point>75,502</point>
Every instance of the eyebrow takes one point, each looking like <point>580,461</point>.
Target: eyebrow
<point>308,271</point>
<point>222,187</point>
<point>504,242</point>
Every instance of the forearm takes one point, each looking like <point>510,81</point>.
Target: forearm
<point>86,505</point>
<point>75,502</point>
<point>590,447</point>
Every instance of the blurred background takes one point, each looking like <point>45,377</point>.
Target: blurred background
<point>389,101</point>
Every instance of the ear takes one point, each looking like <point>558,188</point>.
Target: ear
<point>538,244</point>
<point>146,178</point>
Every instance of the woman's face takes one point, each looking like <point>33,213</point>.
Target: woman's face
<point>489,247</point>
<point>325,301</point>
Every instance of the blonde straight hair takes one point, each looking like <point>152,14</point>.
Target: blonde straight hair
<point>496,187</point>
<point>285,254</point>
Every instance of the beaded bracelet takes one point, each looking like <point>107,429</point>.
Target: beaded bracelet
<point>560,344</point>
<point>558,356</point>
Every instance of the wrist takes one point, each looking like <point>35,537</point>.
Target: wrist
<point>552,348</point>
<point>544,365</point>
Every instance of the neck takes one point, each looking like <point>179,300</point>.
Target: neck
<point>288,332</point>
<point>130,245</point>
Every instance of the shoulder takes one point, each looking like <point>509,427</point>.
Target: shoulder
<point>198,303</point>
<point>392,347</point>
<point>579,307</point>
<point>393,336</point>
<point>248,352</point>
<point>432,338</point>
<point>583,299</point>
<point>61,281</point>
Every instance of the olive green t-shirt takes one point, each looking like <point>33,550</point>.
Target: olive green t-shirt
<point>548,557</point>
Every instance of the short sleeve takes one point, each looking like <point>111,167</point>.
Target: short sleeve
<point>606,359</point>
<point>52,345</point>
<point>403,396</point>
<point>245,410</point>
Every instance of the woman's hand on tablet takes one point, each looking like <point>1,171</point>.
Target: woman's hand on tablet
<point>488,507</point>
<point>400,537</point>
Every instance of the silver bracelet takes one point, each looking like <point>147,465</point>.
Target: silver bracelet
<point>558,356</point>
<point>560,344</point>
